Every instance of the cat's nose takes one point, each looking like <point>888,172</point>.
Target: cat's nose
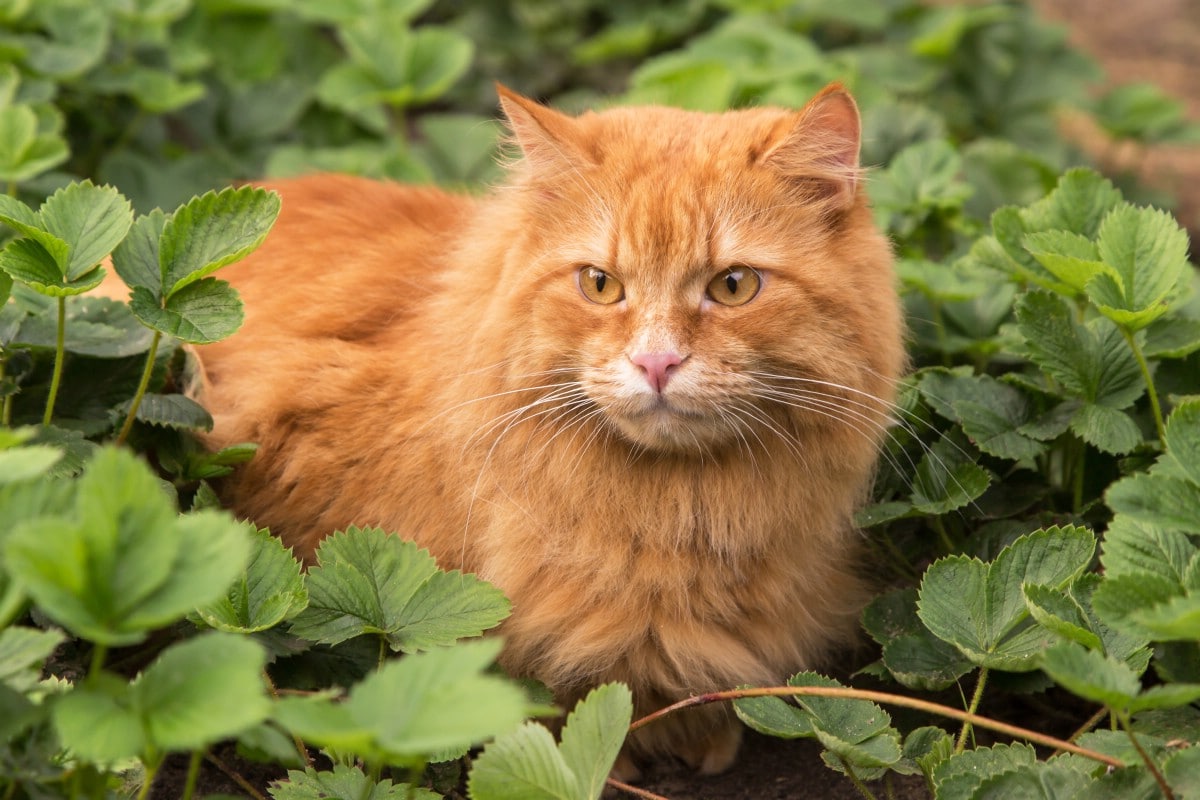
<point>657,367</point>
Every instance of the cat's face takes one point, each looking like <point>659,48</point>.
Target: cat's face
<point>696,281</point>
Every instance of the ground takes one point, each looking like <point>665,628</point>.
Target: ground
<point>1150,40</point>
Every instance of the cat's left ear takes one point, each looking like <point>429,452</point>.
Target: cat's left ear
<point>819,146</point>
<point>549,139</point>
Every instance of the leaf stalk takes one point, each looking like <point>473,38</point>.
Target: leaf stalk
<point>143,385</point>
<point>60,348</point>
<point>1152,393</point>
<point>976,698</point>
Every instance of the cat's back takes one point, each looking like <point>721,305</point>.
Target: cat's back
<point>347,258</point>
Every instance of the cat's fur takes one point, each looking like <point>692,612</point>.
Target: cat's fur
<point>427,363</point>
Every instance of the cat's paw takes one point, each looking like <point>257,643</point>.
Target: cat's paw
<point>716,753</point>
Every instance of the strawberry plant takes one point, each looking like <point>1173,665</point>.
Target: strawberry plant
<point>1037,501</point>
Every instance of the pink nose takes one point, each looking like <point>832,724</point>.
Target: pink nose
<point>657,367</point>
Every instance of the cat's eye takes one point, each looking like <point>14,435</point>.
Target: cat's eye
<point>735,286</point>
<point>600,287</point>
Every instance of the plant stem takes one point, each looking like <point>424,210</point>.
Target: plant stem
<point>1150,765</point>
<point>245,785</point>
<point>143,384</point>
<point>296,740</point>
<point>6,413</point>
<point>60,348</point>
<point>1151,392</point>
<point>1079,456</point>
<point>943,536</point>
<point>1092,722</point>
<point>633,790</point>
<point>193,773</point>
<point>857,781</point>
<point>99,653</point>
<point>383,650</point>
<point>961,744</point>
<point>151,771</point>
<point>880,697</point>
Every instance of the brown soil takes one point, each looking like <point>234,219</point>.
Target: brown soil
<point>1150,40</point>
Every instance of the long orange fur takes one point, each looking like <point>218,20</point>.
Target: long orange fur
<point>426,362</point>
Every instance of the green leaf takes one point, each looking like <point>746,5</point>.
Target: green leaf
<point>1107,429</point>
<point>1091,675</point>
<point>213,230</point>
<point>96,721</point>
<point>23,463</point>
<point>174,411</point>
<point>95,326</point>
<point>1147,251</point>
<point>947,478</point>
<point>979,607</point>
<point>269,591</point>
<point>526,764</point>
<point>202,690</point>
<point>1060,613</point>
<point>1183,439</point>
<point>991,413</point>
<point>203,312</point>
<point>1091,360</point>
<point>415,706</point>
<point>92,220</point>
<point>1137,548</point>
<point>121,562</point>
<point>30,263</point>
<point>1079,203</point>
<point>343,783</point>
<point>1068,256</point>
<point>368,581</point>
<point>1182,771</point>
<point>1172,337</point>
<point>523,765</point>
<point>1159,500</point>
<point>1177,619</point>
<point>593,736</point>
<point>23,653</point>
<point>959,776</point>
<point>136,259</point>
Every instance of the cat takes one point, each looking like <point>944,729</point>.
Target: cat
<point>640,387</point>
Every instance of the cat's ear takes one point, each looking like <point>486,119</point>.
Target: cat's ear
<point>819,146</point>
<point>550,140</point>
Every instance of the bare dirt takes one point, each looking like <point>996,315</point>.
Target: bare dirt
<point>1157,41</point>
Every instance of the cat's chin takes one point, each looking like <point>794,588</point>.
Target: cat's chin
<point>664,428</point>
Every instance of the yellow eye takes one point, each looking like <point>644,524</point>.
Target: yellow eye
<point>600,287</point>
<point>735,286</point>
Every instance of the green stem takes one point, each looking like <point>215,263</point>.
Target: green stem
<point>857,781</point>
<point>947,543</point>
<point>1150,765</point>
<point>60,349</point>
<point>151,772</point>
<point>6,413</point>
<point>143,384</point>
<point>383,650</point>
<point>244,784</point>
<point>1079,453</point>
<point>99,653</point>
<point>980,684</point>
<point>193,773</point>
<point>11,791</point>
<point>296,740</point>
<point>1151,392</point>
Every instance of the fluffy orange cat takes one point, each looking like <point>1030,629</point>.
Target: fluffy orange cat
<point>640,387</point>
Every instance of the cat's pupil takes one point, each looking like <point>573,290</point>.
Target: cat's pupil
<point>732,280</point>
<point>600,279</point>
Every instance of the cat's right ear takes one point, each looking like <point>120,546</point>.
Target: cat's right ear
<point>551,141</point>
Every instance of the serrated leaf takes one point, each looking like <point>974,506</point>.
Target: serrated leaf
<point>992,414</point>
<point>23,463</point>
<point>1041,781</point>
<point>523,765</point>
<point>213,230</point>
<point>368,581</point>
<point>947,478</point>
<point>28,262</point>
<point>1070,257</point>
<point>95,326</point>
<point>593,736</point>
<point>959,776</point>
<point>174,411</point>
<point>343,783</point>
<point>23,653</point>
<point>1182,771</point>
<point>1135,548</point>
<point>1091,675</point>
<point>1091,360</point>
<point>978,607</point>
<point>203,312</point>
<point>201,690</point>
<point>1080,202</point>
<point>136,259</point>
<point>1161,500</point>
<point>97,722</point>
<point>1147,251</point>
<point>1183,439</point>
<point>91,220</point>
<point>1177,619</point>
<point>415,706</point>
<point>1108,429</point>
<point>269,591</point>
<point>121,562</point>
<point>1060,613</point>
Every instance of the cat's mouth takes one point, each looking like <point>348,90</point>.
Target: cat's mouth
<point>659,422</point>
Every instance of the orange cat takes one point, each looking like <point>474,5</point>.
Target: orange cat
<point>640,388</point>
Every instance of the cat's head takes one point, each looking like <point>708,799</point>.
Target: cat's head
<point>694,281</point>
